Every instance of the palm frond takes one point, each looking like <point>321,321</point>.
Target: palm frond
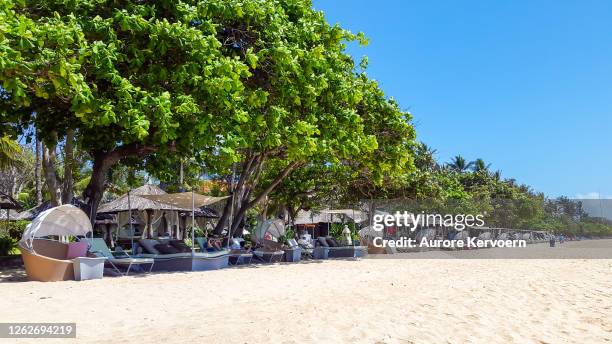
<point>10,152</point>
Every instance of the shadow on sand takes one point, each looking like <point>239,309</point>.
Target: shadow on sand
<point>13,275</point>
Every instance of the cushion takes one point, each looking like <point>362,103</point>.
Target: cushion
<point>180,246</point>
<point>77,249</point>
<point>322,242</point>
<point>236,243</point>
<point>202,242</point>
<point>149,245</point>
<point>166,249</point>
<point>331,242</point>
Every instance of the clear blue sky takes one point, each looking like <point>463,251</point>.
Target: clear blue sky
<point>525,85</point>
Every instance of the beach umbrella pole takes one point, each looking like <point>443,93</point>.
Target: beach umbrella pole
<point>130,221</point>
<point>192,221</point>
<point>231,219</point>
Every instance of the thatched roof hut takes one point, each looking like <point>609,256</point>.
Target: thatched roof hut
<point>8,202</point>
<point>305,217</point>
<point>32,213</point>
<point>138,203</point>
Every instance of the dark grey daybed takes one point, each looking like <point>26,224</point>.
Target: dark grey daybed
<point>169,260</point>
<point>341,251</point>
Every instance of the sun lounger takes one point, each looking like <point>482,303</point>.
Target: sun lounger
<point>269,252</point>
<point>183,261</point>
<point>236,256</point>
<point>268,256</point>
<point>239,255</point>
<point>342,251</point>
<point>97,246</point>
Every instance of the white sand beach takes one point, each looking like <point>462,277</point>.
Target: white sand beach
<point>365,301</point>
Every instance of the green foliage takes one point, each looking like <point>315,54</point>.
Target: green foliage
<point>290,234</point>
<point>335,230</point>
<point>459,164</point>
<point>198,232</point>
<point>220,81</point>
<point>7,245</point>
<point>282,239</point>
<point>214,85</point>
<point>10,152</point>
<point>15,228</point>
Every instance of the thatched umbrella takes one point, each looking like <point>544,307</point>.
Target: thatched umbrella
<point>306,217</point>
<point>7,203</point>
<point>356,216</point>
<point>32,213</point>
<point>132,200</point>
<point>185,200</point>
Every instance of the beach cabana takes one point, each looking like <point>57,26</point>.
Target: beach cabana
<point>348,250</point>
<point>150,212</point>
<point>191,202</point>
<point>187,261</point>
<point>318,222</point>
<point>46,259</point>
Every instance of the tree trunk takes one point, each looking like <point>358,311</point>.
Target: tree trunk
<point>48,160</point>
<point>67,192</point>
<point>13,186</point>
<point>224,217</point>
<point>37,168</point>
<point>245,204</point>
<point>92,194</point>
<point>181,181</point>
<point>103,161</point>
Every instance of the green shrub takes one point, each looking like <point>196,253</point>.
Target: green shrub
<point>15,228</point>
<point>7,245</point>
<point>335,230</point>
<point>290,234</point>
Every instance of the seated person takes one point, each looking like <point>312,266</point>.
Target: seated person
<point>213,245</point>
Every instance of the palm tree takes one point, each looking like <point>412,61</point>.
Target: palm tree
<point>497,175</point>
<point>479,165</point>
<point>425,157</point>
<point>10,152</point>
<point>459,164</point>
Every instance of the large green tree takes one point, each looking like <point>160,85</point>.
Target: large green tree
<point>231,83</point>
<point>130,79</point>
